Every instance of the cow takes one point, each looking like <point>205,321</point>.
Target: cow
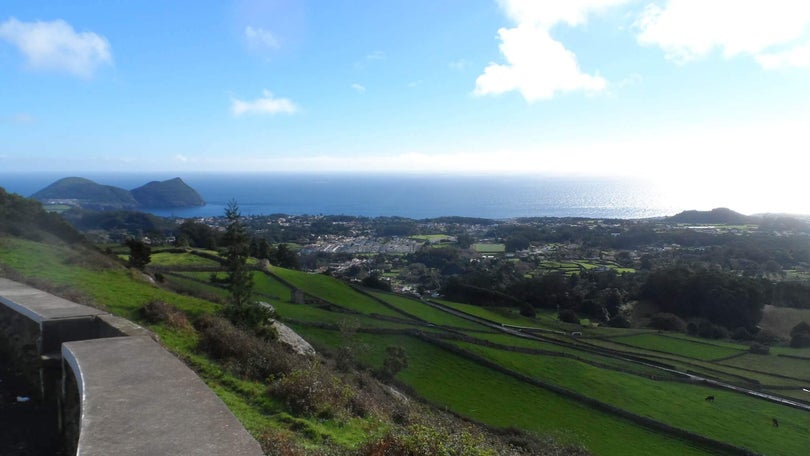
<point>775,423</point>
<point>710,398</point>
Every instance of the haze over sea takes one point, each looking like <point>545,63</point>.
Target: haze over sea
<point>425,196</point>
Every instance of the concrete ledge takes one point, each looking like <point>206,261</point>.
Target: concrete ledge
<point>137,399</point>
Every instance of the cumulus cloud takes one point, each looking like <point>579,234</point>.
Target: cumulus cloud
<point>258,38</point>
<point>797,56</point>
<point>775,33</point>
<point>268,104</point>
<point>537,65</point>
<point>56,45</point>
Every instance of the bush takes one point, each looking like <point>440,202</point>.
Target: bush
<point>527,310</point>
<point>568,316</point>
<point>667,322</point>
<point>161,312</point>
<point>242,352</point>
<point>619,321</point>
<point>421,440</point>
<point>800,335</point>
<point>252,316</point>
<point>741,334</point>
<point>766,337</point>
<point>759,349</point>
<point>709,330</point>
<point>312,390</point>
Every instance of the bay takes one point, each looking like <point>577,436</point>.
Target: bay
<point>412,196</point>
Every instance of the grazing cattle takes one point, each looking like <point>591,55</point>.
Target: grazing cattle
<point>710,398</point>
<point>775,422</point>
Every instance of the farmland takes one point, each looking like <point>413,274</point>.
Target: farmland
<point>601,388</point>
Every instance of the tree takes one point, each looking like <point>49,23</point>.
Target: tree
<point>239,280</point>
<point>286,257</point>
<point>800,335</point>
<point>140,254</point>
<point>464,240</point>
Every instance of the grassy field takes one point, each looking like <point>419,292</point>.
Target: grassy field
<point>427,313</point>
<point>489,248</point>
<point>503,401</point>
<point>735,418</point>
<point>334,291</point>
<point>460,384</point>
<point>791,367</point>
<point>703,350</point>
<point>182,259</point>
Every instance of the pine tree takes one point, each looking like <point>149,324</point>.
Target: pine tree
<point>239,280</point>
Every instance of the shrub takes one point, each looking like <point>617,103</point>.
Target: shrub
<point>759,349</point>
<point>619,321</point>
<point>568,316</point>
<point>741,334</point>
<point>667,322</point>
<point>800,335</point>
<point>312,390</point>
<point>421,440</point>
<point>242,352</point>
<point>527,310</point>
<point>161,312</point>
<point>766,337</point>
<point>395,360</point>
<point>709,330</point>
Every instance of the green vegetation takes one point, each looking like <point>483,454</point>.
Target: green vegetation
<point>689,348</point>
<point>288,402</point>
<point>86,193</point>
<point>489,248</point>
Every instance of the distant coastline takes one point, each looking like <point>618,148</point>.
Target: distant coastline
<point>414,196</point>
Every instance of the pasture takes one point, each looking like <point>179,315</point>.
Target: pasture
<point>613,366</point>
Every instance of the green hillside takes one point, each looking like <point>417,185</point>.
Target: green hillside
<point>613,391</point>
<point>81,192</point>
<point>167,194</point>
<point>87,193</point>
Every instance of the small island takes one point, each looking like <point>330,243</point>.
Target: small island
<point>87,194</point>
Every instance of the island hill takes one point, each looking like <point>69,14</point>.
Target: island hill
<point>81,192</point>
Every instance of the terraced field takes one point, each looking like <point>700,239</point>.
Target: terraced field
<point>603,387</point>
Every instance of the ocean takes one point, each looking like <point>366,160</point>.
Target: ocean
<point>411,196</point>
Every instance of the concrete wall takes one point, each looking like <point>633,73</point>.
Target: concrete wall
<point>119,391</point>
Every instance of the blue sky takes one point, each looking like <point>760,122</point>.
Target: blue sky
<point>670,89</point>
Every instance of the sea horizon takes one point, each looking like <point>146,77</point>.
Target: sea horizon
<point>416,196</point>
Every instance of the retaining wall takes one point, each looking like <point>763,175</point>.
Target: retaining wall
<point>119,391</point>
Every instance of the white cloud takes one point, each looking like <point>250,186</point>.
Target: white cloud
<point>56,46</point>
<point>259,38</point>
<point>537,65</point>
<point>775,33</point>
<point>547,13</point>
<point>358,88</point>
<point>268,104</point>
<point>798,56</point>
